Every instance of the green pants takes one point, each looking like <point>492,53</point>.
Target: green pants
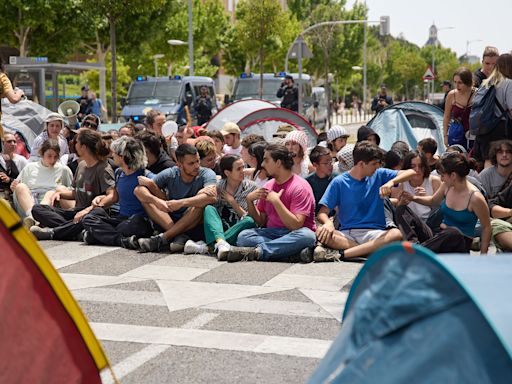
<point>214,228</point>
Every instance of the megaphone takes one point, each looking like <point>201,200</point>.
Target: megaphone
<point>69,109</point>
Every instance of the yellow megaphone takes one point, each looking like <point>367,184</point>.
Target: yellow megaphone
<point>69,109</point>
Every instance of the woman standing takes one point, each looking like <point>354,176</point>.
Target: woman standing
<point>501,78</point>
<point>458,108</point>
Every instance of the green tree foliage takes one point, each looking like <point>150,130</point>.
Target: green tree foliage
<point>302,9</point>
<point>123,78</point>
<point>259,24</point>
<point>31,25</point>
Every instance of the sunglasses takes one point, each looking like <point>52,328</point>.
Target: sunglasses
<point>89,124</point>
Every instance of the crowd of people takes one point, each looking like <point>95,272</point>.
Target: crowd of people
<point>279,199</point>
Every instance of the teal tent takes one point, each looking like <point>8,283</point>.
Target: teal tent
<point>410,121</point>
<point>415,317</point>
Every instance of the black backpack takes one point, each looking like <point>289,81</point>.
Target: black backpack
<point>482,119</point>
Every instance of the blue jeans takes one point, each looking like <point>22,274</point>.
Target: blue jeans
<point>277,243</point>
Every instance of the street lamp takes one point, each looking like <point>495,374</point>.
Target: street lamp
<point>190,52</point>
<point>155,59</point>
<point>468,42</point>
<point>434,57</point>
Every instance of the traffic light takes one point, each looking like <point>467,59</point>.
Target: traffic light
<point>384,25</point>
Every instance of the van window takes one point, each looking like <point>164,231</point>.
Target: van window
<point>249,88</point>
<point>163,91</point>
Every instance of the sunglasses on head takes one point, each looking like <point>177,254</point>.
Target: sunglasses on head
<point>89,124</point>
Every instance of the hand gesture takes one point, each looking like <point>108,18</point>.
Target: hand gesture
<point>54,199</point>
<point>173,205</point>
<point>385,190</point>
<point>228,197</point>
<point>420,191</point>
<point>210,190</point>
<point>14,184</point>
<point>257,194</point>
<point>80,215</point>
<point>144,181</point>
<point>4,178</point>
<point>97,201</point>
<point>405,198</point>
<point>274,197</point>
<point>326,232</point>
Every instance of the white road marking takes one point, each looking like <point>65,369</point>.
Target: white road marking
<point>200,320</point>
<point>79,281</point>
<point>286,280</point>
<point>111,295</point>
<point>132,362</point>
<point>332,302</point>
<point>184,294</point>
<point>198,338</point>
<point>160,272</point>
<point>276,307</point>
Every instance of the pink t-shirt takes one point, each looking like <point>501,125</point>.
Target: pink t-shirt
<point>297,197</point>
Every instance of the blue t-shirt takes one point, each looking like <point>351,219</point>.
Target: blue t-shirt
<point>358,201</point>
<point>177,189</point>
<point>129,204</point>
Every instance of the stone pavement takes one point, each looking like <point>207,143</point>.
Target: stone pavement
<point>172,318</point>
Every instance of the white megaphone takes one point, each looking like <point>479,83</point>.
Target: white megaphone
<point>69,109</point>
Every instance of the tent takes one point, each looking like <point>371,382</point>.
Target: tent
<point>415,317</point>
<point>262,118</point>
<point>44,336</point>
<point>410,121</point>
<point>25,117</point>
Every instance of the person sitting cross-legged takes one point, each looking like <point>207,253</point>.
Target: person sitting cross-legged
<point>358,196</point>
<point>286,208</point>
<point>189,188</point>
<point>228,217</point>
<point>132,222</point>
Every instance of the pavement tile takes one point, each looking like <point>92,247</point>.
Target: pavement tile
<point>120,350</point>
<point>133,314</point>
<point>146,285</point>
<point>246,273</point>
<point>275,325</point>
<point>285,295</point>
<point>188,365</point>
<point>116,262</point>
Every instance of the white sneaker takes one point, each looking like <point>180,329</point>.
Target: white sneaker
<point>199,248</point>
<point>222,248</point>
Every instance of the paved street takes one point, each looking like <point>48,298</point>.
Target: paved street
<point>171,318</point>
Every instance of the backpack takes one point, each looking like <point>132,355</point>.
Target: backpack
<point>482,119</point>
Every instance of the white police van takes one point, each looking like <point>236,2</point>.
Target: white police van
<point>247,87</point>
<point>169,95</point>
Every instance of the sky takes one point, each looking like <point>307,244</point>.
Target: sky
<point>413,18</point>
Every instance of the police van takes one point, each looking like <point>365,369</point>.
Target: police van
<point>247,87</point>
<point>169,95</point>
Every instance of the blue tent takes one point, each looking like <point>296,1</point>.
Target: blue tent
<point>415,317</point>
<point>410,121</point>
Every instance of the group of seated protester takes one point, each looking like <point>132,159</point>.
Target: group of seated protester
<point>214,192</point>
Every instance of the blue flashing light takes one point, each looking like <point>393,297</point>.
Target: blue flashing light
<point>245,75</point>
<point>136,118</point>
<point>280,74</point>
<point>175,77</point>
<point>141,78</point>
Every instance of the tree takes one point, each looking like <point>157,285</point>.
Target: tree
<point>259,23</point>
<point>114,11</point>
<point>31,25</point>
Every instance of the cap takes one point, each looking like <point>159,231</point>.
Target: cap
<point>346,154</point>
<point>335,132</point>
<point>53,116</point>
<point>299,137</point>
<point>229,128</point>
<point>282,130</point>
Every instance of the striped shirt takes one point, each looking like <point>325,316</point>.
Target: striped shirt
<point>224,209</point>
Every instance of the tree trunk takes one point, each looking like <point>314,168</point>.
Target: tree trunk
<point>327,90</point>
<point>113,78</point>
<point>101,55</point>
<point>260,88</point>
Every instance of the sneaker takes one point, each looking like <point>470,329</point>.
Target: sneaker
<point>222,248</point>
<point>150,244</point>
<point>178,244</point>
<point>29,222</point>
<point>306,256</point>
<point>42,233</point>
<point>199,248</point>
<point>87,238</point>
<point>322,253</point>
<point>130,242</point>
<point>242,253</point>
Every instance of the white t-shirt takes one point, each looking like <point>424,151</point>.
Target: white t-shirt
<point>19,160</point>
<point>39,178</point>
<point>232,151</point>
